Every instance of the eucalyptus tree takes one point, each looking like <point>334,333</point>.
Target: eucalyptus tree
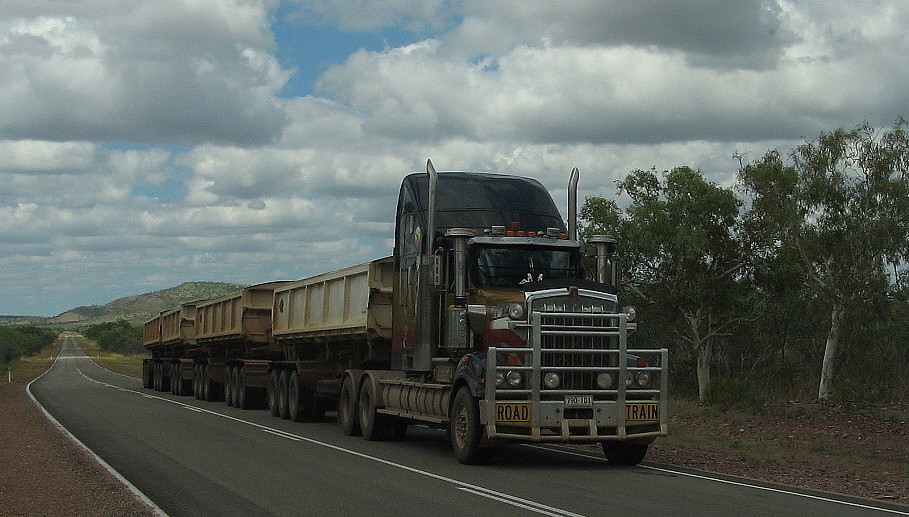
<point>842,205</point>
<point>681,254</point>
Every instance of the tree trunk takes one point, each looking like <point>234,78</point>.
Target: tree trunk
<point>704,351</point>
<point>837,316</point>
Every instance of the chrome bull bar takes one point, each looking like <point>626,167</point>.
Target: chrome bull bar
<point>551,415</point>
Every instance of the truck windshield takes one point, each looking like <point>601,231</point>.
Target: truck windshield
<point>514,266</point>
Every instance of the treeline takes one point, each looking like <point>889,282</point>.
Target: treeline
<point>17,342</point>
<point>117,336</point>
<point>793,283</point>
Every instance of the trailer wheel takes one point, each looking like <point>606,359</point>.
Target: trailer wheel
<point>176,379</point>
<point>466,430</point>
<point>244,398</point>
<point>174,383</point>
<point>273,383</point>
<point>198,380</point>
<point>211,391</point>
<point>375,426</point>
<point>347,408</point>
<point>622,453</point>
<point>301,403</point>
<point>229,386</point>
<point>283,382</point>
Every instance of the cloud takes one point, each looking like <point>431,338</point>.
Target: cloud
<point>189,73</point>
<point>142,146</point>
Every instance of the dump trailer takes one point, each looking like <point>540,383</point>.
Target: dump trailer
<point>483,322</point>
<point>168,337</point>
<point>233,347</point>
<point>326,325</point>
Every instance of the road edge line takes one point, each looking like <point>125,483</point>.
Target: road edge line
<point>131,487</point>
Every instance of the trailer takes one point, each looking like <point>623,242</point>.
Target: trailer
<point>483,322</point>
<point>325,325</point>
<point>233,346</point>
<point>167,337</point>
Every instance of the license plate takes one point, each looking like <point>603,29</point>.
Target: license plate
<point>578,400</point>
<point>641,412</point>
<point>512,412</point>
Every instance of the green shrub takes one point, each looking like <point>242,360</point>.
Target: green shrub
<point>115,336</point>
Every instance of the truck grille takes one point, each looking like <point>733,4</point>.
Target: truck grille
<point>561,332</point>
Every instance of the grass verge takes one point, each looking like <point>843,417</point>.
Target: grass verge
<point>126,364</point>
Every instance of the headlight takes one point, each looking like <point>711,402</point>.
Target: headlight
<point>513,379</point>
<point>551,381</point>
<point>604,380</point>
<point>500,379</point>
<point>515,311</point>
<point>642,379</point>
<point>630,312</point>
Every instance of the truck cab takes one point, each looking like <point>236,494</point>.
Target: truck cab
<point>498,324</point>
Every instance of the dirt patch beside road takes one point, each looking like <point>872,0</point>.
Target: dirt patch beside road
<point>843,448</point>
<point>45,473</point>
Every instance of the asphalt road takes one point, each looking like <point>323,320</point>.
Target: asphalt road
<point>202,458</point>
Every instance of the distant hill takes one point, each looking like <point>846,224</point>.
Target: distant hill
<point>135,309</point>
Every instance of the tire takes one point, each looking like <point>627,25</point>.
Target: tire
<point>283,382</point>
<point>300,400</point>
<point>211,390</point>
<point>273,384</point>
<point>229,385</point>
<point>623,453</point>
<point>146,375</point>
<point>244,397</point>
<point>466,430</point>
<point>176,379</point>
<point>347,409</point>
<point>374,426</point>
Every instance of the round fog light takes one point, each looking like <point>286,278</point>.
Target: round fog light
<point>551,381</point>
<point>500,379</point>
<point>642,379</point>
<point>515,311</point>
<point>604,380</point>
<point>513,379</point>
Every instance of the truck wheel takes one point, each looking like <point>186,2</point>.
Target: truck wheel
<point>273,382</point>
<point>229,388</point>
<point>176,379</point>
<point>244,398</point>
<point>199,380</point>
<point>146,377</point>
<point>466,431</point>
<point>300,400</point>
<point>208,390</point>
<point>347,409</point>
<point>374,425</point>
<point>621,453</point>
<point>283,381</point>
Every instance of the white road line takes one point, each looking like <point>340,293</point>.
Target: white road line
<point>132,488</point>
<point>519,502</point>
<point>282,434</point>
<point>461,485</point>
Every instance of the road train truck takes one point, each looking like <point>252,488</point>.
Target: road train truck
<point>483,322</point>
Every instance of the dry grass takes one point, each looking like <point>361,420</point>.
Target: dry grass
<point>126,364</point>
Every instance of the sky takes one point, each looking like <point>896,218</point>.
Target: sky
<point>148,143</point>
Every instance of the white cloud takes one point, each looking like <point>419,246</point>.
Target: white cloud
<point>145,143</point>
<point>177,72</point>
